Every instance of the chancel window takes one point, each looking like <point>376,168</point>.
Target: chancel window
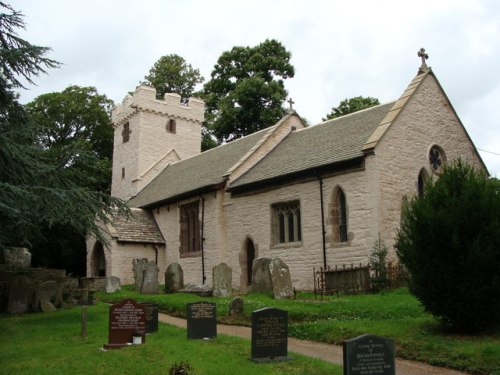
<point>286,225</point>
<point>190,229</point>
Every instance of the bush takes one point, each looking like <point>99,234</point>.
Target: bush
<point>449,241</point>
<point>379,277</point>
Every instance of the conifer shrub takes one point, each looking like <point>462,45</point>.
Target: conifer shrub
<point>449,241</point>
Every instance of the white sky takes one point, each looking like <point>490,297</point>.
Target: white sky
<point>340,49</point>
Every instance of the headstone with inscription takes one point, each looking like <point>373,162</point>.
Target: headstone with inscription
<point>222,280</point>
<point>126,320</point>
<point>369,354</point>
<point>174,278</point>
<point>151,316</point>
<point>201,320</point>
<point>280,279</point>
<point>138,267</point>
<point>150,279</point>
<point>270,335</point>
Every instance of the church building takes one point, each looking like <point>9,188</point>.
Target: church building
<point>314,196</point>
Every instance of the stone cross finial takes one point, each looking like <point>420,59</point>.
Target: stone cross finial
<point>291,102</point>
<point>424,56</point>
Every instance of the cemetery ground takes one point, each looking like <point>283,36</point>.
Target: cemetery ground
<point>52,342</point>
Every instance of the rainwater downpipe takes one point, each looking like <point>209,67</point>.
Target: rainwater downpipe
<point>202,239</point>
<point>323,233</point>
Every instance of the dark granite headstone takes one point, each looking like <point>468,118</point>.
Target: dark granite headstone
<point>126,319</point>
<point>201,320</point>
<point>369,354</point>
<point>151,316</point>
<point>269,335</point>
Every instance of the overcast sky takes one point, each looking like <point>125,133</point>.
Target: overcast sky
<point>340,49</point>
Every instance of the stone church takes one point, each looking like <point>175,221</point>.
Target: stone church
<point>313,196</point>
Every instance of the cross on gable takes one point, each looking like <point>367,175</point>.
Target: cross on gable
<point>424,56</point>
<point>291,102</point>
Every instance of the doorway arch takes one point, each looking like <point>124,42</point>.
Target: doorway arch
<point>247,256</point>
<point>98,261</point>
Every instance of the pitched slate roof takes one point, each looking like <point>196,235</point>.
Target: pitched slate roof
<point>140,227</point>
<point>195,174</point>
<point>330,142</point>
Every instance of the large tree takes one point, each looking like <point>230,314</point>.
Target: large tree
<point>171,73</point>
<point>450,243</point>
<point>246,90</point>
<point>35,192</point>
<point>74,126</point>
<point>351,105</point>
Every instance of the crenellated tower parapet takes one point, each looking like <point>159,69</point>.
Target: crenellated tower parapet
<point>150,134</point>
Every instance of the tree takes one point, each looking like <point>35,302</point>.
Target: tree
<point>449,241</point>
<point>246,90</point>
<point>171,73</point>
<point>35,192</point>
<point>74,126</point>
<point>351,105</point>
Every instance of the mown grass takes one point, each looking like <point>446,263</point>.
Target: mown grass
<point>394,314</point>
<point>51,343</point>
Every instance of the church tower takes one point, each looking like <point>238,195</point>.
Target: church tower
<point>150,134</point>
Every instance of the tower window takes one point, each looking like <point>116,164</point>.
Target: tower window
<point>126,132</point>
<point>171,126</point>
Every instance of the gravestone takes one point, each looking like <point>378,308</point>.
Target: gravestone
<point>126,320</point>
<point>112,284</point>
<point>20,295</point>
<point>369,354</point>
<point>47,291</point>
<point>236,306</point>
<point>47,306</point>
<point>222,280</point>
<point>15,257</point>
<point>138,267</point>
<point>174,278</point>
<point>270,335</point>
<point>150,279</point>
<point>151,316</point>
<point>201,320</point>
<point>280,279</point>
<point>261,277</point>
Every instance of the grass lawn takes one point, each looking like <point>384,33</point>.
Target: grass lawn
<point>394,314</point>
<point>51,343</point>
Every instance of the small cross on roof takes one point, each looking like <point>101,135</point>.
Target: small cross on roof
<point>291,102</point>
<point>424,56</point>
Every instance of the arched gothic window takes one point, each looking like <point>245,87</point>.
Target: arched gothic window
<point>339,216</point>
<point>422,180</point>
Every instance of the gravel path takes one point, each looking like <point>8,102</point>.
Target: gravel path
<point>325,352</point>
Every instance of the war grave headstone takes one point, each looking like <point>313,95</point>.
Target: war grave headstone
<point>222,280</point>
<point>201,320</point>
<point>270,335</point>
<point>151,316</point>
<point>369,354</point>
<point>174,278</point>
<point>126,320</point>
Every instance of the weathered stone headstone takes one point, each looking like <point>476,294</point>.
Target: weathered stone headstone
<point>138,267</point>
<point>151,316</point>
<point>150,280</point>
<point>112,284</point>
<point>47,291</point>
<point>261,277</point>
<point>20,295</point>
<point>280,279</point>
<point>201,320</point>
<point>270,335</point>
<point>236,307</point>
<point>222,276</point>
<point>15,257</point>
<point>47,306</point>
<point>369,354</point>
<point>126,319</point>
<point>174,278</point>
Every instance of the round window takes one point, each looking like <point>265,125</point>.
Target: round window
<point>436,159</point>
